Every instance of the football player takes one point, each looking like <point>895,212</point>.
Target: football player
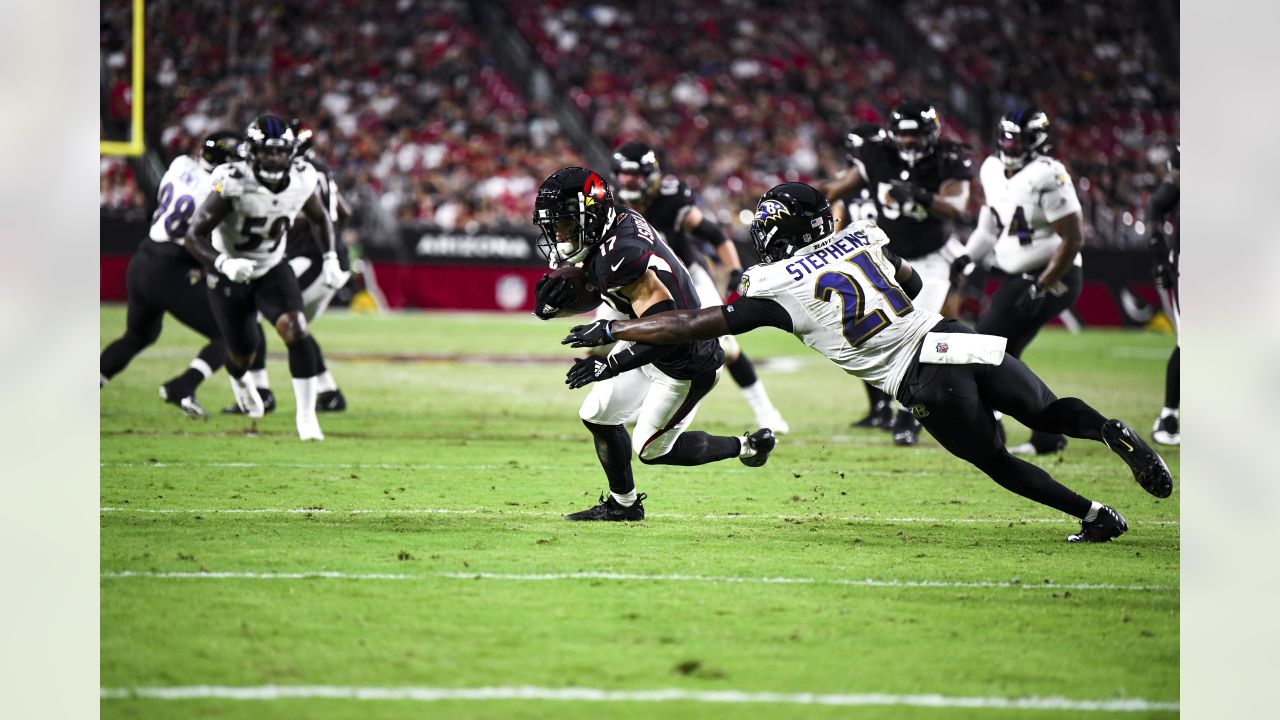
<point>918,184</point>
<point>1032,219</point>
<point>306,261</point>
<point>668,204</point>
<point>1164,268</point>
<point>162,277</point>
<point>239,233</point>
<point>851,298</point>
<point>638,274</point>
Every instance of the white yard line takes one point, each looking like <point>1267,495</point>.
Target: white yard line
<point>573,694</point>
<point>628,577</point>
<point>537,513</point>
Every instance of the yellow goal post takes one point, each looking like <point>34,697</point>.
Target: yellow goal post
<point>134,145</point>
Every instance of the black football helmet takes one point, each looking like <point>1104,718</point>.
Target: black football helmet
<point>1175,160</point>
<point>789,217</point>
<point>915,127</point>
<point>306,138</point>
<point>573,209</point>
<point>1021,135</point>
<point>860,135</point>
<point>639,163</point>
<point>219,147</point>
<point>271,145</point>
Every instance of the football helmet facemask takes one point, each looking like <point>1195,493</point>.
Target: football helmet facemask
<point>637,172</point>
<point>1021,135</point>
<point>218,148</point>
<point>859,136</point>
<point>573,209</point>
<point>915,127</point>
<point>789,217</point>
<point>271,145</point>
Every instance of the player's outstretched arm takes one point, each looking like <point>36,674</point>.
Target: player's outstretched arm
<point>664,328</point>
<point>199,238</point>
<point>1071,230</point>
<point>842,187</point>
<point>321,224</point>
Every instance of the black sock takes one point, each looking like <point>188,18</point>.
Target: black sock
<point>875,395</point>
<point>186,383</point>
<point>743,372</point>
<point>613,447</point>
<point>304,358</point>
<point>1072,417</point>
<point>698,448</point>
<point>1033,483</point>
<point>1171,372</point>
<point>260,360</point>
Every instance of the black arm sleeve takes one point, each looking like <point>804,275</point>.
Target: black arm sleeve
<point>710,232</point>
<point>913,285</point>
<point>747,314</point>
<point>1162,201</point>
<point>640,353</point>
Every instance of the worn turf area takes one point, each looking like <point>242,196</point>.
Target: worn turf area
<point>422,546</point>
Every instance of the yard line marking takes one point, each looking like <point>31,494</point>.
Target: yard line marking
<point>572,694</point>
<point>626,577</point>
<point>538,513</point>
<point>447,466</point>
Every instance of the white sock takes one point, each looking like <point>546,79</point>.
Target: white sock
<point>756,397</point>
<point>202,367</point>
<point>326,382</point>
<point>1093,512</point>
<point>746,450</point>
<point>1166,412</point>
<point>625,500</point>
<point>304,393</point>
<point>259,379</point>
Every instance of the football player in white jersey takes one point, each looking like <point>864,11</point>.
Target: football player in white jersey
<point>163,278</point>
<point>847,296</point>
<point>239,233</point>
<point>1032,220</point>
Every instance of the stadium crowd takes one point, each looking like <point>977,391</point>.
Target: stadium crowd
<point>407,101</point>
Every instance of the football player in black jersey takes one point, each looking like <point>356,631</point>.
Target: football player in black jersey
<point>305,259</point>
<point>668,204</point>
<point>658,388</point>
<point>918,183</point>
<point>1165,251</point>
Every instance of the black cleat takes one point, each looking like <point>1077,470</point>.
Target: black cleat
<point>763,442</point>
<point>611,511</point>
<point>1165,431</point>
<point>268,403</point>
<point>880,416</point>
<point>1148,469</point>
<point>185,402</point>
<point>906,429</point>
<point>1041,444</point>
<point>1104,528</point>
<point>331,401</point>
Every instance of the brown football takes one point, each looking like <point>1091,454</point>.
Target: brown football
<point>585,297</point>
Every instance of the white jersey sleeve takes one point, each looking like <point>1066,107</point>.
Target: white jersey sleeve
<point>1024,208</point>
<point>844,303</point>
<point>260,218</point>
<point>184,186</point>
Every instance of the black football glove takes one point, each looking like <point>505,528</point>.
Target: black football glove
<point>961,268</point>
<point>1162,263</point>
<point>735,279</point>
<point>588,370</point>
<point>549,296</point>
<point>902,193</point>
<point>1032,298</point>
<point>593,335</point>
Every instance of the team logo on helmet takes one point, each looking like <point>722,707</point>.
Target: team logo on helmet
<point>593,188</point>
<point>771,211</point>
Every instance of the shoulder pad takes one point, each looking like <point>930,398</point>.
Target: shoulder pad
<point>622,262</point>
<point>671,185</point>
<point>228,180</point>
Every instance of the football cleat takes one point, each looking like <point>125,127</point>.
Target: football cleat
<point>880,416</point>
<point>186,403</point>
<point>268,403</point>
<point>772,419</point>
<point>906,429</point>
<point>1041,444</point>
<point>309,427</point>
<point>331,401</point>
<point>1147,466</point>
<point>1165,431</point>
<point>247,398</point>
<point>1107,526</point>
<point>611,510</point>
<point>763,442</point>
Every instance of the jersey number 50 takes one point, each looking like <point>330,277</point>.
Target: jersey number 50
<point>860,326</point>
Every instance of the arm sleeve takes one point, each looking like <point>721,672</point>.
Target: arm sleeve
<point>749,313</point>
<point>710,232</point>
<point>637,355</point>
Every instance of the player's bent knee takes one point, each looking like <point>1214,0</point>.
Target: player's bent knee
<point>292,327</point>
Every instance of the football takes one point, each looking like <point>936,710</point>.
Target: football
<point>584,295</point>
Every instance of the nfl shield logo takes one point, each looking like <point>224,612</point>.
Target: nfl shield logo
<point>941,347</point>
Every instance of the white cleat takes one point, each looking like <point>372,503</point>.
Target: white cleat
<point>772,419</point>
<point>247,398</point>
<point>309,428</point>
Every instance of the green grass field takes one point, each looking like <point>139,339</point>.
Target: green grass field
<point>846,566</point>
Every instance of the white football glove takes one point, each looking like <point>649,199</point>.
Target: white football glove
<point>333,274</point>
<point>235,269</point>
